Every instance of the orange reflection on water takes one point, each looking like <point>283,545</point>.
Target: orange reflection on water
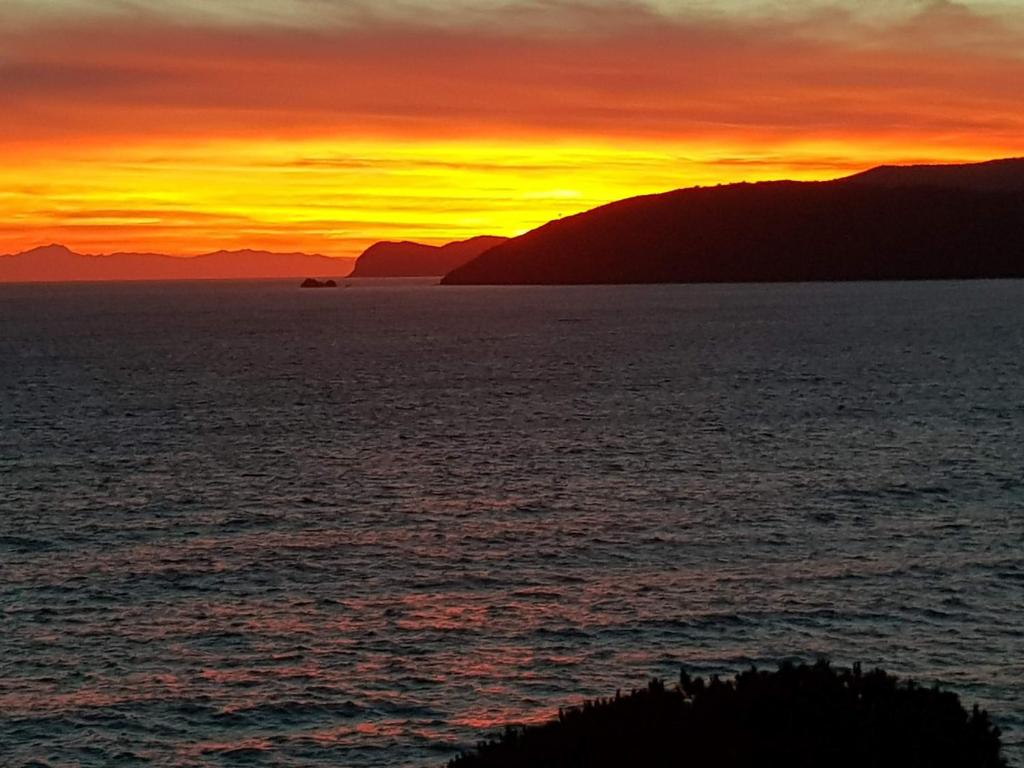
<point>221,676</point>
<point>227,748</point>
<point>104,693</point>
<point>441,612</point>
<point>380,728</point>
<point>348,733</point>
<point>498,717</point>
<point>502,662</point>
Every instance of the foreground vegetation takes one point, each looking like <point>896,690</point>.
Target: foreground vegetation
<point>798,717</point>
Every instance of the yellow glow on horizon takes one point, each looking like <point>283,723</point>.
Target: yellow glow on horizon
<point>336,196</point>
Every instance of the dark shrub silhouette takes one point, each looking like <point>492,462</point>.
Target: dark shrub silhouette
<point>799,717</point>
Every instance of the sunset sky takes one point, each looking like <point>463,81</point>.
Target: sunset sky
<point>184,126</point>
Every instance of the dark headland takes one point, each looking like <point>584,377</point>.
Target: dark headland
<point>889,223</point>
<point>408,259</point>
<point>795,717</point>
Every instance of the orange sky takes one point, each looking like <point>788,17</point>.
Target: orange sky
<point>323,125</point>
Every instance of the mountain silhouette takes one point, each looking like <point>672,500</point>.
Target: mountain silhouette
<point>57,263</point>
<point>408,259</point>
<point>992,176</point>
<point>890,223</point>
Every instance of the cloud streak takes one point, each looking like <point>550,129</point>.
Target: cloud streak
<point>614,70</point>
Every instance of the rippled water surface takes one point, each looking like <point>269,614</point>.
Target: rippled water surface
<point>246,523</point>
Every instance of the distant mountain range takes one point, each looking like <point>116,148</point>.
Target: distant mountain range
<point>909,222</point>
<point>56,263</point>
<point>408,259</point>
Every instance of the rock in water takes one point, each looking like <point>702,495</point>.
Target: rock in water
<point>310,282</point>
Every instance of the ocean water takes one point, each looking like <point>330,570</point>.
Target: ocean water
<point>243,523</point>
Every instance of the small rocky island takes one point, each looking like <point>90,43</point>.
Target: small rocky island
<point>310,282</point>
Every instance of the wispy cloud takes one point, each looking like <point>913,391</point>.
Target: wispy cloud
<point>568,17</point>
<point>604,69</point>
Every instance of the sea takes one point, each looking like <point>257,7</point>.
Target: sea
<point>243,523</point>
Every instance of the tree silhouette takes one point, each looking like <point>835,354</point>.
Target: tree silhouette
<point>805,716</point>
